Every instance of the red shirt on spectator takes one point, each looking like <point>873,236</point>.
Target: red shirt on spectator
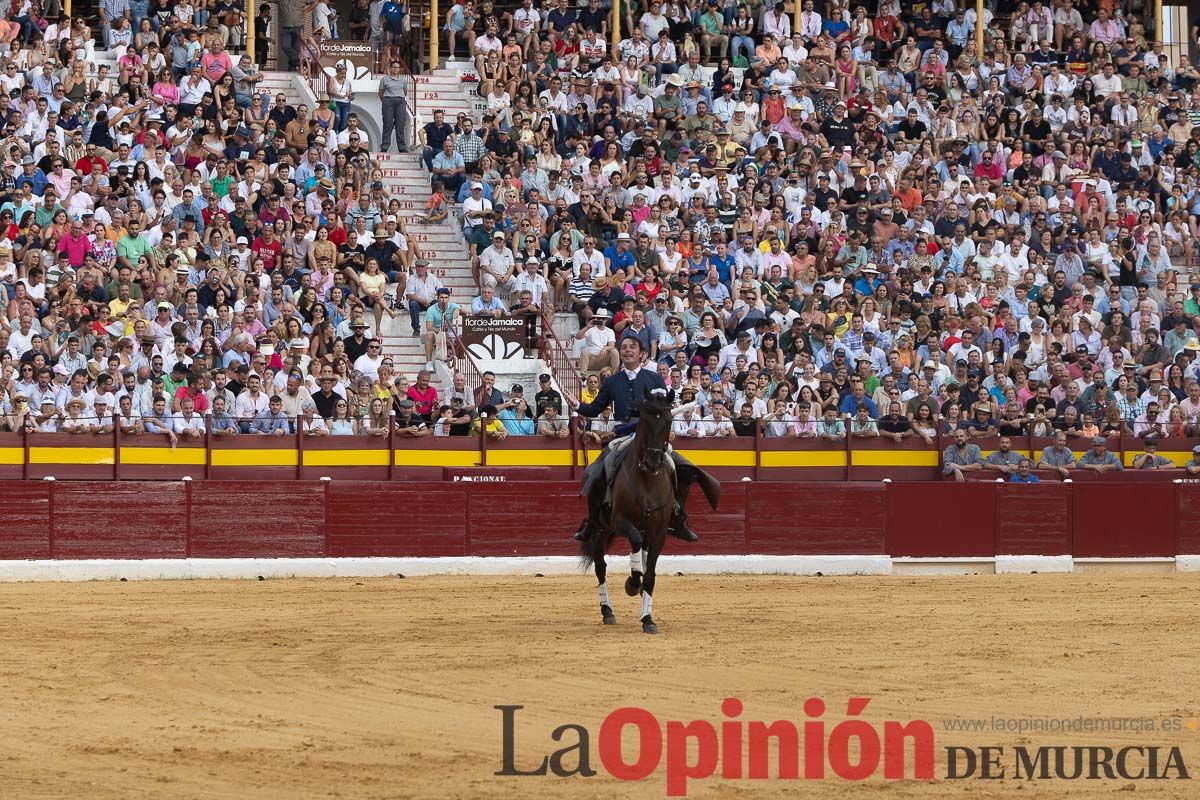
<point>215,65</point>
<point>198,397</point>
<point>423,402</point>
<point>989,170</point>
<point>85,165</point>
<point>270,252</point>
<point>268,215</point>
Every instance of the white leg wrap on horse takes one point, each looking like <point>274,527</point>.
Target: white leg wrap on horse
<point>603,590</point>
<point>647,602</point>
<point>635,561</point>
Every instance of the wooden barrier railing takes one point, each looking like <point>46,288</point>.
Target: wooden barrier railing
<point>399,456</point>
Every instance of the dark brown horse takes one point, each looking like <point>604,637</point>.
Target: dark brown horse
<point>643,497</point>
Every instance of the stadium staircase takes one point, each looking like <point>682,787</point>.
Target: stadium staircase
<point>442,243</point>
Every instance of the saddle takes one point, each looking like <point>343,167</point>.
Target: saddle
<point>608,466</point>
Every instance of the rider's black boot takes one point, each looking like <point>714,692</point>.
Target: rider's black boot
<point>678,526</point>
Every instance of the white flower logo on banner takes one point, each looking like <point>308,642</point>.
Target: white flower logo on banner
<point>495,347</point>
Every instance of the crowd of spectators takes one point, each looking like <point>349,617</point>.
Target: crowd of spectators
<point>853,222</point>
<point>179,249</point>
<point>864,227</point>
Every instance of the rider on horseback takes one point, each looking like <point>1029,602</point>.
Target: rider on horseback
<point>624,391</point>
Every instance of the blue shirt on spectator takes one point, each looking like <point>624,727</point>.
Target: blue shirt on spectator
<point>850,406</point>
<point>269,423</point>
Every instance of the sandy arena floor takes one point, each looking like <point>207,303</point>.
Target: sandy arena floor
<point>385,688</point>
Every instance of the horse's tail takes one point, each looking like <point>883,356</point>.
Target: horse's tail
<point>595,544</point>
<point>585,554</point>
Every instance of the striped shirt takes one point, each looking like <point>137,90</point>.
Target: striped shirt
<point>581,290</point>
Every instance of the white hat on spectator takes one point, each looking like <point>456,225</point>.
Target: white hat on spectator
<point>105,399</point>
<point>931,364</point>
<point>740,108</point>
<point>390,218</point>
<point>243,240</point>
<point>674,80</point>
<point>622,237</point>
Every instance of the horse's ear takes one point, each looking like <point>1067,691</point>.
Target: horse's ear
<point>645,392</point>
<point>670,397</point>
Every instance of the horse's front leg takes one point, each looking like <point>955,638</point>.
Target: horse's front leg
<point>652,554</point>
<point>634,582</point>
<point>602,586</point>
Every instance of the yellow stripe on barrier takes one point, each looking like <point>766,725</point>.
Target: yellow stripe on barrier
<point>719,458</point>
<point>12,455</point>
<point>254,458</point>
<point>345,458</point>
<point>529,458</point>
<point>70,455</point>
<point>162,456</point>
<point>896,458</point>
<point>803,458</point>
<point>437,458</point>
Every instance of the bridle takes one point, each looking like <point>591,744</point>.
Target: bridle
<point>652,459</point>
<point>654,455</point>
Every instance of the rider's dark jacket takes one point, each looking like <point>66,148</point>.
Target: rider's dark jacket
<point>624,393</point>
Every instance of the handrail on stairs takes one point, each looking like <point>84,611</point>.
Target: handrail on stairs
<point>559,357</point>
<point>459,359</point>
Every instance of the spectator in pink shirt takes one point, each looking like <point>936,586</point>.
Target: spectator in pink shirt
<point>76,245</point>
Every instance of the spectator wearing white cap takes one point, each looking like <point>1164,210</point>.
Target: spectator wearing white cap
<point>474,207</point>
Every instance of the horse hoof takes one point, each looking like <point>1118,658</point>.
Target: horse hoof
<point>609,619</point>
<point>633,585</point>
<point>649,627</point>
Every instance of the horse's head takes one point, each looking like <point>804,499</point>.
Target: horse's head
<point>654,426</point>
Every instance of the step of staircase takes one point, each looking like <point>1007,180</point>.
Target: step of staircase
<point>441,243</point>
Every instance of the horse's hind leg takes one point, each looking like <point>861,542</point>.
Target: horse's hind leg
<point>634,582</point>
<point>602,588</point>
<point>648,625</point>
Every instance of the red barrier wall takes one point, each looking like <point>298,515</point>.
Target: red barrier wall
<point>226,519</point>
<point>1033,520</point>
